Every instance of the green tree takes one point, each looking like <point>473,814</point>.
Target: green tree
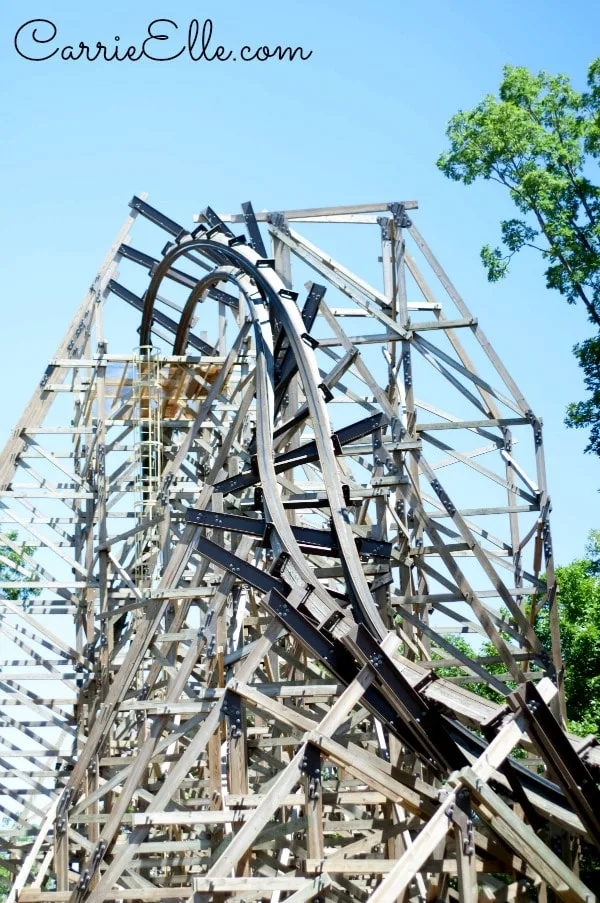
<point>578,601</point>
<point>16,565</point>
<point>540,139</point>
<point>579,617</point>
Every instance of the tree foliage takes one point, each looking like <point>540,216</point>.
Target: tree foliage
<point>540,139</point>
<point>579,617</point>
<point>16,566</point>
<point>578,601</point>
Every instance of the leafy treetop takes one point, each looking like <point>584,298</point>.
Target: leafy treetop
<point>540,139</point>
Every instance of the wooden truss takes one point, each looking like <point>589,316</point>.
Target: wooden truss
<point>248,550</point>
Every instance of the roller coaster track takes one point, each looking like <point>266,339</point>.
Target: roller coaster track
<point>267,698</point>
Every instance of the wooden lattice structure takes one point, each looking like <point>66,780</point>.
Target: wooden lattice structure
<point>248,536</point>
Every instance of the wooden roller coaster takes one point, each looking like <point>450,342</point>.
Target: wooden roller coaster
<point>240,565</point>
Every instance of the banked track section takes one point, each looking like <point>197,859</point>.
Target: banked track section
<point>274,704</point>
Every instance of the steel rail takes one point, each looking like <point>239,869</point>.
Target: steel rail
<point>265,400</point>
<point>270,285</point>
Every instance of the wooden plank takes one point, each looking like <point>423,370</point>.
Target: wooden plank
<point>525,842</point>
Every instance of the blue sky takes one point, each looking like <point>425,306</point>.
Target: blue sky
<point>362,120</point>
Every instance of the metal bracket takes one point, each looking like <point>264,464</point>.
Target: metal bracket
<point>311,767</point>
<point>401,219</point>
<point>277,219</point>
<point>461,815</point>
<point>232,707</point>
<point>384,224</point>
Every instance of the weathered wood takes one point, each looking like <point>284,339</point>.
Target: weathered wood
<point>206,718</point>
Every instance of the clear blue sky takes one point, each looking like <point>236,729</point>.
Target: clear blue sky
<point>362,120</point>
